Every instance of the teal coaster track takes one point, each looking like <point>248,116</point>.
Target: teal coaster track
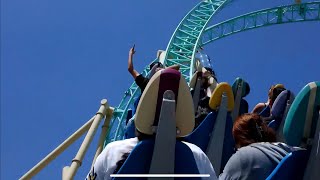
<point>192,33</point>
<point>266,17</point>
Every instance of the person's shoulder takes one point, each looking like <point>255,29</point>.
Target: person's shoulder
<point>255,147</point>
<point>140,79</point>
<point>239,161</point>
<point>247,149</point>
<point>247,153</point>
<point>117,146</point>
<point>126,141</point>
<point>141,76</point>
<point>266,149</point>
<point>131,141</point>
<point>202,161</point>
<point>261,105</point>
<point>242,153</point>
<point>286,146</point>
<point>277,147</point>
<point>259,145</point>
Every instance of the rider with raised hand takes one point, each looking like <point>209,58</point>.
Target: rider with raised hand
<point>140,80</point>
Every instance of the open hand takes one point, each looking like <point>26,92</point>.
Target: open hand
<point>132,51</point>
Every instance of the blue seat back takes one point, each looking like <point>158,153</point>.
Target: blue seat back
<point>130,129</point>
<point>273,124</point>
<point>129,115</point>
<point>135,104</point>
<point>244,107</point>
<point>139,160</point>
<point>291,166</point>
<point>279,105</point>
<point>201,135</point>
<point>280,109</point>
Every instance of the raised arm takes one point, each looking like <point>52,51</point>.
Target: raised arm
<point>131,69</point>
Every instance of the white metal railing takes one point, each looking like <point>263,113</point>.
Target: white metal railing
<point>90,126</point>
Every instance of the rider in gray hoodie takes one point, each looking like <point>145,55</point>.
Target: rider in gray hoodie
<point>257,154</point>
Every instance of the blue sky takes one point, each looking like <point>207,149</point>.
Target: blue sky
<point>60,58</point>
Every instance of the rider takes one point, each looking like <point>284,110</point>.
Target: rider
<point>203,108</point>
<point>258,153</point>
<point>141,80</point>
<point>273,93</point>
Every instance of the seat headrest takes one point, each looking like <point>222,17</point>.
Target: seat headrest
<point>303,114</point>
<point>215,99</point>
<point>149,107</point>
<point>280,103</point>
<point>245,87</point>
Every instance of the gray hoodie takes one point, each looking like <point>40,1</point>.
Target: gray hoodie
<point>255,161</point>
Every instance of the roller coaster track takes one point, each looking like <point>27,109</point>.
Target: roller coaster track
<point>184,42</point>
<point>192,33</point>
<point>267,17</point>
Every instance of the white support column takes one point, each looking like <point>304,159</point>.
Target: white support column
<point>103,134</point>
<point>45,161</point>
<point>69,172</point>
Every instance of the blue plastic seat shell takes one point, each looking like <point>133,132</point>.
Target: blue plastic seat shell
<point>291,166</point>
<point>138,162</point>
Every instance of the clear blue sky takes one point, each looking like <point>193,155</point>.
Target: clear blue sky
<point>60,58</point>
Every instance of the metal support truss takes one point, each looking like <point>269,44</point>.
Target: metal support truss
<point>267,17</point>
